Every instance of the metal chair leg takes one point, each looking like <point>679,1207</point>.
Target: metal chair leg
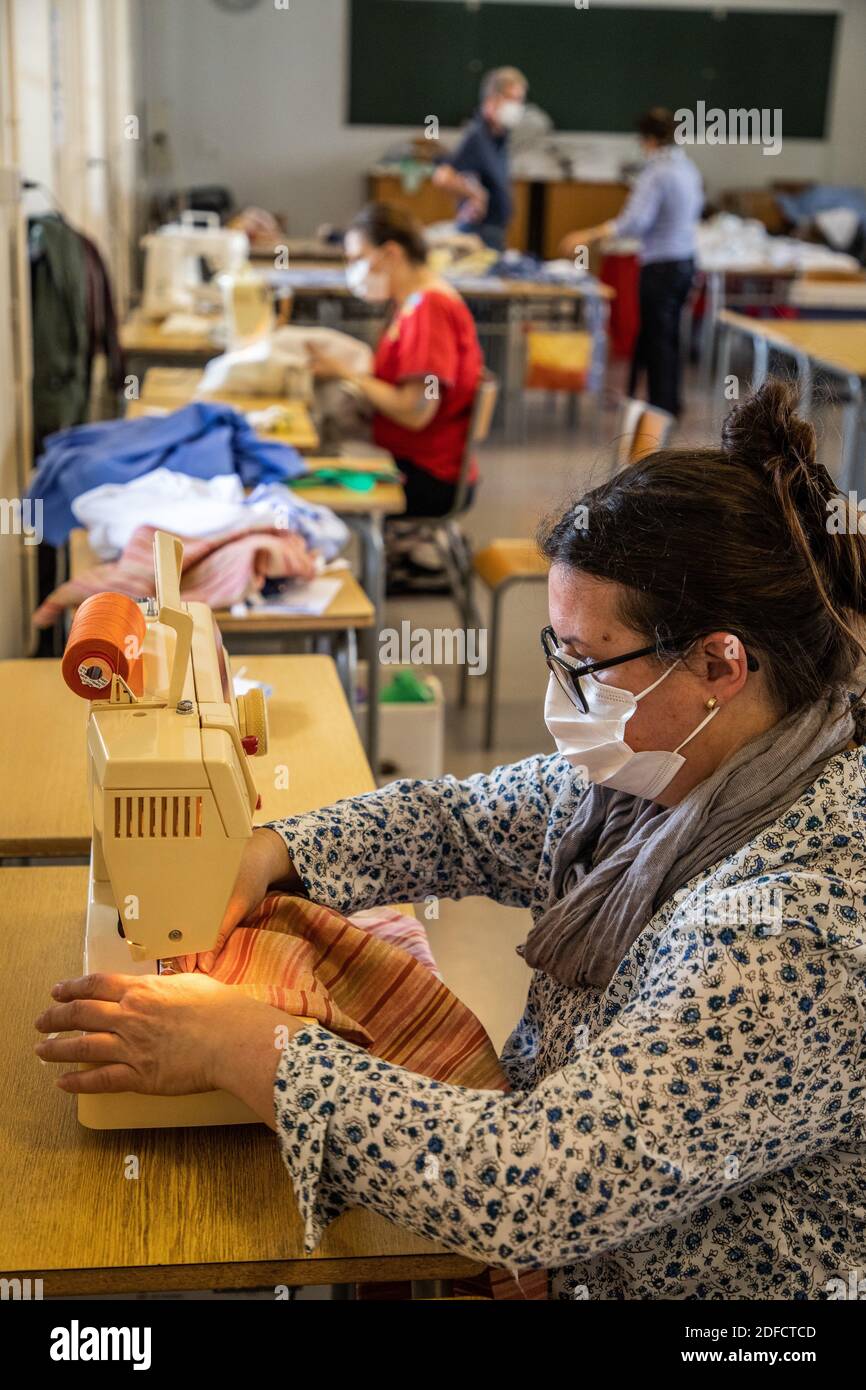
<point>456,555</point>
<point>492,668</point>
<point>463,687</point>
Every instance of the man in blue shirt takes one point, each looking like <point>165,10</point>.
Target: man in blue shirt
<point>662,213</point>
<point>478,172</point>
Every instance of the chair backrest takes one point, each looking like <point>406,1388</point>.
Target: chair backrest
<point>480,420</point>
<point>483,408</point>
<point>641,429</point>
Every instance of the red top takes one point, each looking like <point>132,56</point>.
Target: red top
<point>434,336</point>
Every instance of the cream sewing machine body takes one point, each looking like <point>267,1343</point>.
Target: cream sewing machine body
<point>173,281</point>
<point>172,798</point>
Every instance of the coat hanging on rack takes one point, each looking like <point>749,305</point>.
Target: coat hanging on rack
<point>73,320</point>
<point>58,286</point>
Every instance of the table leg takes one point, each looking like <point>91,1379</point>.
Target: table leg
<point>344,653</point>
<point>512,387</point>
<point>720,402</point>
<point>597,313</point>
<point>369,532</point>
<point>329,312</point>
<point>761,359</point>
<point>805,379</point>
<point>714,295</point>
<point>852,472</point>
<point>431,1288</point>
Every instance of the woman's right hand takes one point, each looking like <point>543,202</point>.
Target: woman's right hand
<point>265,860</point>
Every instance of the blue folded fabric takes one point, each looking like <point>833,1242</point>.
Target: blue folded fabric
<point>797,207</point>
<point>202,439</point>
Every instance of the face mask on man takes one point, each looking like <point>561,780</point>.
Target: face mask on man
<point>594,740</point>
<point>364,283</point>
<point>510,113</point>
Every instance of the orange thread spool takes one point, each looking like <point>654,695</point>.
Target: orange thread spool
<point>105,640</point>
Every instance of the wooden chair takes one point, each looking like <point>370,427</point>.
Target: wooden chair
<point>641,429</point>
<point>504,563</point>
<point>500,565</point>
<point>445,532</point>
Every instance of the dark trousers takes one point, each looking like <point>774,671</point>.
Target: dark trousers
<point>664,286</point>
<point>426,495</point>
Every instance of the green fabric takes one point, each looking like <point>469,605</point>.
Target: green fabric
<point>59,313</point>
<point>344,477</point>
<point>406,688</point>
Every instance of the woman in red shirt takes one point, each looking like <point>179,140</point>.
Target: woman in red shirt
<point>428,363</point>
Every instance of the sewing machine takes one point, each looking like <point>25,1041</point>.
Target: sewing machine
<point>173,280</point>
<point>172,799</point>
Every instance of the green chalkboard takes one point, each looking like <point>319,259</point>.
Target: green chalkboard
<point>591,69</point>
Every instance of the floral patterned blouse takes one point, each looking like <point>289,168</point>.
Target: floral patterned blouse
<point>695,1130</point>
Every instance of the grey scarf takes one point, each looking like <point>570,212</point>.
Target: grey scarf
<point>622,857</point>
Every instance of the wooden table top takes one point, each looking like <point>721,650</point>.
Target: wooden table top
<point>501,287</point>
<point>146,336</point>
<point>350,608</point>
<point>838,344</point>
<point>299,249</point>
<point>42,750</point>
<point>210,1207</point>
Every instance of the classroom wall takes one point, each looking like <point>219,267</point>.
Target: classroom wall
<point>65,91</point>
<point>73,80</point>
<point>25,145</point>
<point>256,101</point>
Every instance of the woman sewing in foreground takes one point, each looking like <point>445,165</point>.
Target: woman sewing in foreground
<point>686,1118</point>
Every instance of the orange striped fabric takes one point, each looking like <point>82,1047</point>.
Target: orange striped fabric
<point>308,961</point>
<point>356,980</point>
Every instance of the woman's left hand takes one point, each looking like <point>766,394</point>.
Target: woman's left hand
<point>325,367</point>
<point>164,1035</point>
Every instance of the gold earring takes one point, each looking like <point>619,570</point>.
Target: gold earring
<point>712,703</point>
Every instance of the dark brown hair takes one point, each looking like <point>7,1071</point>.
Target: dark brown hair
<point>657,124</point>
<point>381,222</point>
<point>731,540</point>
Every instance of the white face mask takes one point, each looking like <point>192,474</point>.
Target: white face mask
<point>369,285</point>
<point>595,741</point>
<point>510,113</point>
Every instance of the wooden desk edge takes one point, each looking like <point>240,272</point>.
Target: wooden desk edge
<point>773,330</point>
<point>73,848</point>
<point>252,1274</point>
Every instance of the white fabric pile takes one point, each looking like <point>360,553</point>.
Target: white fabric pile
<point>279,365</point>
<point>727,242</point>
<point>201,507</point>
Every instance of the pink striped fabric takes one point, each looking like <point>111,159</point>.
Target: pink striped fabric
<point>400,929</point>
<point>217,570</point>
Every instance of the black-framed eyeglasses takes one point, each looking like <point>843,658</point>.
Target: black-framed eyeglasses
<point>568,670</point>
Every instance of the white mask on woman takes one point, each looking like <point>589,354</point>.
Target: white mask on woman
<point>595,741</point>
<point>510,113</point>
<point>369,285</point>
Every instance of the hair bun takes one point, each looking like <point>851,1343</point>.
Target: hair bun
<point>766,431</point>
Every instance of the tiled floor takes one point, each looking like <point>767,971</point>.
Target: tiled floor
<point>474,940</point>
